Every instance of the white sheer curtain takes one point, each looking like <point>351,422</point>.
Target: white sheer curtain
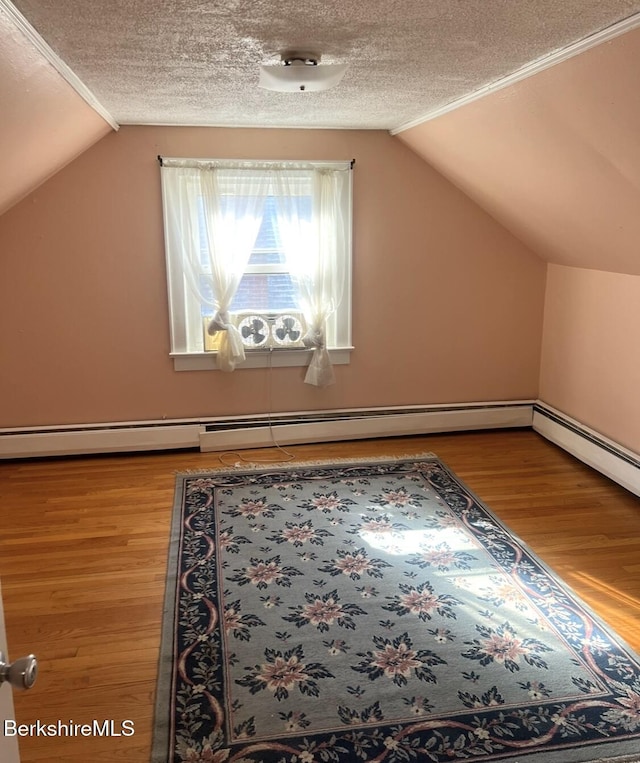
<point>214,215</point>
<point>314,235</point>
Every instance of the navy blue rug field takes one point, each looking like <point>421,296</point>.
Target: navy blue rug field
<point>376,612</point>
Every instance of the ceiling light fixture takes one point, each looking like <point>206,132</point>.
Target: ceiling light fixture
<point>300,72</point>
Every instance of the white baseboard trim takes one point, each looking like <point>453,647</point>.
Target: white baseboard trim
<point>226,433</point>
<point>606,456</point>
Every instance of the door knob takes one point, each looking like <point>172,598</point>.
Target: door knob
<point>21,673</point>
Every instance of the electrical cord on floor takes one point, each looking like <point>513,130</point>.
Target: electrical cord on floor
<point>240,459</point>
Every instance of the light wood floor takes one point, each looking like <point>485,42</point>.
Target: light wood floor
<point>83,550</point>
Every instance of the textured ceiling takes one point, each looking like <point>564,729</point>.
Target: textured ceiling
<point>197,61</point>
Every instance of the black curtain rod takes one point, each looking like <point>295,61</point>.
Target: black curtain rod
<point>351,163</point>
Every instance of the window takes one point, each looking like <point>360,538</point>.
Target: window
<point>258,258</point>
<point>267,285</point>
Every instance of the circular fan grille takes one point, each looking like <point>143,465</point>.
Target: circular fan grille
<point>287,330</point>
<point>254,330</point>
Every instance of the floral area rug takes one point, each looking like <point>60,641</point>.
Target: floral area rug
<point>376,612</point>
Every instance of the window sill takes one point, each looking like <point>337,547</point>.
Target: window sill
<point>276,358</point>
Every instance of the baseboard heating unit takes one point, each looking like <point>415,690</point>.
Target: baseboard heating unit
<point>226,433</point>
<point>258,431</point>
<point>606,456</point>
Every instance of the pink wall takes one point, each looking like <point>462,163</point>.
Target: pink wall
<point>590,366</point>
<point>45,123</point>
<point>84,334</point>
<point>555,158</point>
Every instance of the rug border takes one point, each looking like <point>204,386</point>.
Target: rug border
<point>161,721</point>
<point>550,570</point>
<point>267,466</point>
<point>162,718</point>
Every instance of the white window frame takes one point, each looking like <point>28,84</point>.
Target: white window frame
<point>185,312</point>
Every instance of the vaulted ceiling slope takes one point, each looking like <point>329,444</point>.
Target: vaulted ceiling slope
<point>555,158</point>
<point>45,123</point>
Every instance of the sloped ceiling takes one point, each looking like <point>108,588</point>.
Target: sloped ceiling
<point>45,123</point>
<point>555,158</point>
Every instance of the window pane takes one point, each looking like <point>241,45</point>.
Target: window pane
<point>266,251</point>
<point>264,292</point>
<point>266,248</point>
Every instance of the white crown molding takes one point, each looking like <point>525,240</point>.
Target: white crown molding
<point>546,62</point>
<point>54,59</point>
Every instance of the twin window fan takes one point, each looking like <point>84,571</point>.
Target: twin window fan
<point>262,331</point>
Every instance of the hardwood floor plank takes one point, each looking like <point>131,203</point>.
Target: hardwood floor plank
<point>84,543</point>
